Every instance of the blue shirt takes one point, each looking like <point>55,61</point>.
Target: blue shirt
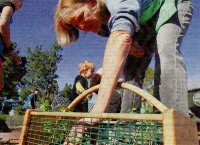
<point>30,98</point>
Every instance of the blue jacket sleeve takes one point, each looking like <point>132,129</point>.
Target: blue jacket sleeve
<point>26,103</point>
<point>30,97</point>
<point>124,15</point>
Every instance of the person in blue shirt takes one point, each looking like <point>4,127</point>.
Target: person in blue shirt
<point>115,101</point>
<point>31,99</point>
<point>7,8</point>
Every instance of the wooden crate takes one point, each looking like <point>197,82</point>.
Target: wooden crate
<point>176,128</point>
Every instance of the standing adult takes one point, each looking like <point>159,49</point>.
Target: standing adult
<point>161,24</point>
<point>115,101</point>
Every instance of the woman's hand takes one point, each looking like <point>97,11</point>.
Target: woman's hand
<point>86,126</point>
<point>136,50</point>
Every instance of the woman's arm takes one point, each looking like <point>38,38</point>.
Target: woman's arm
<point>4,24</point>
<point>117,49</point>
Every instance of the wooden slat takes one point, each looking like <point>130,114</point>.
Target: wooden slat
<point>178,129</point>
<point>10,135</point>
<point>25,126</point>
<point>102,115</point>
<point>150,99</point>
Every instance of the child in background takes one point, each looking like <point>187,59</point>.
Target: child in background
<point>7,8</point>
<point>86,70</point>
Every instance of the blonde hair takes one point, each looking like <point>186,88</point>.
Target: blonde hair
<point>85,65</point>
<point>65,9</point>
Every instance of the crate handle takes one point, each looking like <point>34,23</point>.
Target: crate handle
<point>150,99</point>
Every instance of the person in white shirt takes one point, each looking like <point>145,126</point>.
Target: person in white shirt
<point>115,101</point>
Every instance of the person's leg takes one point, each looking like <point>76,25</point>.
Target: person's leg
<point>134,72</point>
<point>170,71</point>
<point>131,100</point>
<point>114,102</point>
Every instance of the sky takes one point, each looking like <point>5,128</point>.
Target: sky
<point>33,25</point>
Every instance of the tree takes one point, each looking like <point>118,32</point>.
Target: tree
<point>148,85</point>
<point>66,92</point>
<point>148,80</point>
<point>41,71</point>
<point>6,107</point>
<point>12,75</point>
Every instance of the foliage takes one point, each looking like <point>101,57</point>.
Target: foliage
<point>148,80</point>
<point>19,110</point>
<point>55,137</point>
<point>7,106</point>
<point>44,105</point>
<point>1,103</point>
<point>3,118</point>
<point>12,75</point>
<point>61,108</point>
<point>3,126</point>
<point>145,130</point>
<point>66,91</point>
<point>41,72</point>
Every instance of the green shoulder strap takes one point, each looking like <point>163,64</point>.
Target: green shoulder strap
<point>167,9</point>
<point>152,9</point>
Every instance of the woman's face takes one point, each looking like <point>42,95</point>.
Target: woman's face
<point>86,20</point>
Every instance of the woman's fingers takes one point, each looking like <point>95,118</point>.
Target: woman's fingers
<point>82,126</point>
